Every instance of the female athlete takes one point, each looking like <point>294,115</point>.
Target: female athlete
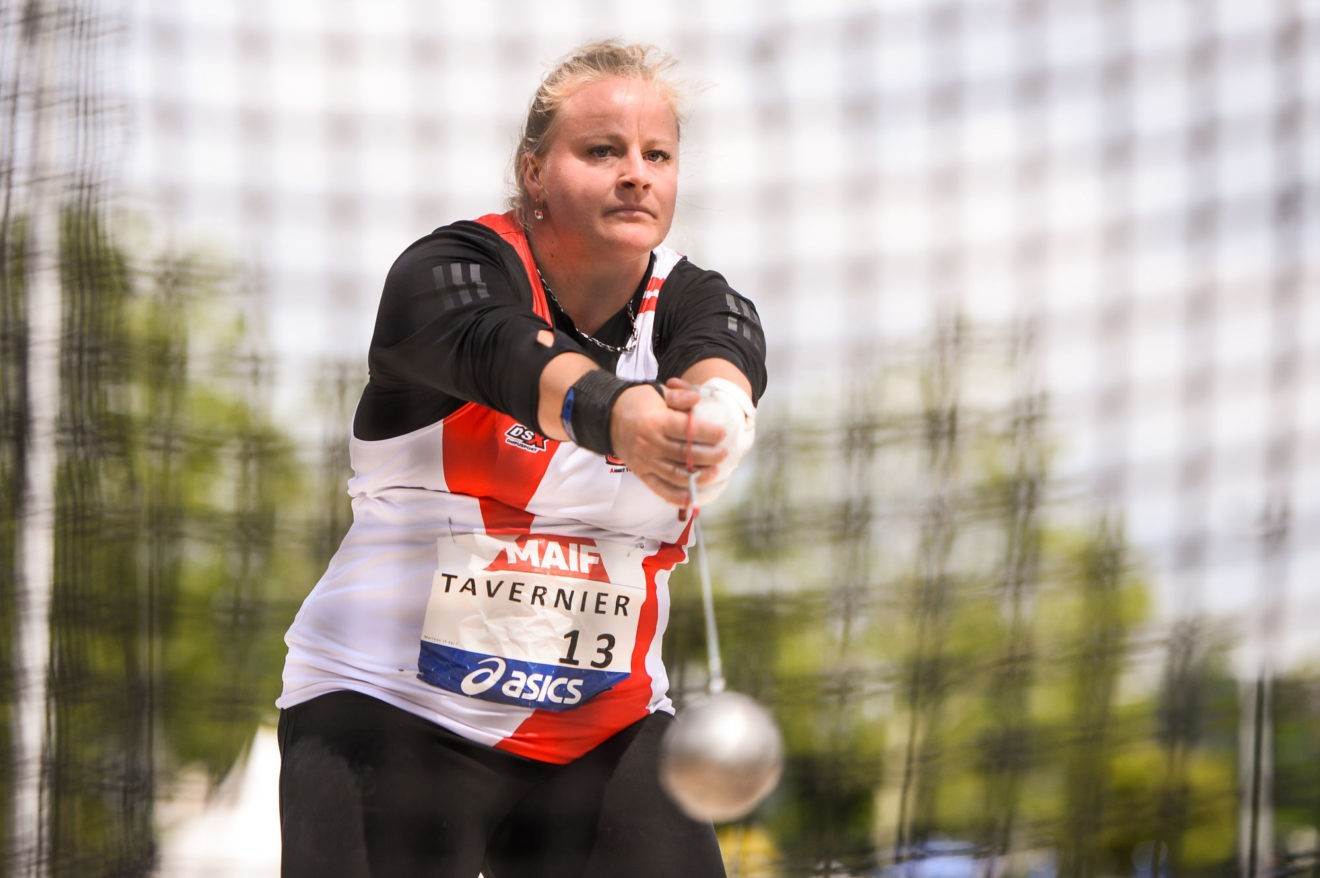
<point>476,684</point>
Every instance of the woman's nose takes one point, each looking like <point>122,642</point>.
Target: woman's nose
<point>635,172</point>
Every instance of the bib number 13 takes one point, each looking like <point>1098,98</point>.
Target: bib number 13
<point>604,650</point>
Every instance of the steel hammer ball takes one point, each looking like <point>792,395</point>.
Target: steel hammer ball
<point>722,756</point>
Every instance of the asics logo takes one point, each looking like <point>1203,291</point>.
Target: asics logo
<point>483,677</point>
<point>529,688</point>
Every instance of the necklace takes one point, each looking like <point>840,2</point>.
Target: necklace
<point>613,349</point>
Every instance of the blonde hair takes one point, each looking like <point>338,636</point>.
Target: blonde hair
<point>587,64</point>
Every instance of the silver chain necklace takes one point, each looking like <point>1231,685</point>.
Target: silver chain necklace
<point>613,349</point>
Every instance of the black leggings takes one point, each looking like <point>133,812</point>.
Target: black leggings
<point>367,789</point>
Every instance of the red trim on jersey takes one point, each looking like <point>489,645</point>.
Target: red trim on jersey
<point>561,737</point>
<point>508,228</point>
<point>473,453</point>
<point>501,476</point>
<point>503,479</point>
<point>652,294</point>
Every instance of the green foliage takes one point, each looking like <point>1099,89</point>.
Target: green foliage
<point>951,652</point>
<point>1296,719</point>
<point>12,376</point>
<point>181,531</point>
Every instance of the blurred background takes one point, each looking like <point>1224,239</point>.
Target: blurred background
<point>1026,561</point>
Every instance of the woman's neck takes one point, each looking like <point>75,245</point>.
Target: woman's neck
<point>589,290</point>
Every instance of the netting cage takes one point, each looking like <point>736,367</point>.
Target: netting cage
<point>1024,562</point>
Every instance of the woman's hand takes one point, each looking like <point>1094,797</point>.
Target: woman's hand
<point>662,445</point>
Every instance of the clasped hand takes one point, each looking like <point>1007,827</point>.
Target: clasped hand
<point>662,443</point>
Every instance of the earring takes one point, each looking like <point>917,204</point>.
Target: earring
<point>539,214</point>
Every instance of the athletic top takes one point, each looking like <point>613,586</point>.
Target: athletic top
<point>507,586</point>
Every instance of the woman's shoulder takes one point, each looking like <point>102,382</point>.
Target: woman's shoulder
<point>687,281</point>
<point>461,243</point>
<point>683,273</point>
<point>463,239</point>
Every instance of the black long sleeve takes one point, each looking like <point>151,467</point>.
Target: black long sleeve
<point>456,324</point>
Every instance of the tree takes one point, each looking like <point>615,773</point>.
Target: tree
<point>950,649</point>
<point>180,541</point>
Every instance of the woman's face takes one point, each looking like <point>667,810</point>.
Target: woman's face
<point>609,176</point>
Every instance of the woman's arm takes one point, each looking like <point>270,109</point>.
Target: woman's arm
<point>648,430</point>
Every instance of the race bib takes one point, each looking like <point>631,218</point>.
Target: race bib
<point>540,621</point>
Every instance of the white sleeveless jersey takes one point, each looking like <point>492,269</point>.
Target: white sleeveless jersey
<point>508,587</point>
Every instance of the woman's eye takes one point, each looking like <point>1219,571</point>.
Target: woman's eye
<point>600,152</point>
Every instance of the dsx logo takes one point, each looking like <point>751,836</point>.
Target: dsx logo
<point>521,687</point>
<point>525,438</point>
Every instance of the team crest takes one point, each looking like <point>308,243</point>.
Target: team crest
<point>525,438</point>
<point>615,464</point>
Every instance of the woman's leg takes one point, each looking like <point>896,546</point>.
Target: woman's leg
<point>642,832</point>
<point>367,789</point>
<point>606,815</point>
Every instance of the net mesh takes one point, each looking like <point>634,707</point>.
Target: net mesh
<point>1024,559</point>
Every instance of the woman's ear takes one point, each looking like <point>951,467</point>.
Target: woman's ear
<point>531,179</point>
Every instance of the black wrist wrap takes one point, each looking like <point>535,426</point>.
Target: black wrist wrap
<point>587,408</point>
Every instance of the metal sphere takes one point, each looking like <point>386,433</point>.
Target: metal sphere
<point>722,756</point>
